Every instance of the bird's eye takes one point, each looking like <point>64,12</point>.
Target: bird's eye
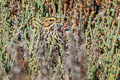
<point>51,20</point>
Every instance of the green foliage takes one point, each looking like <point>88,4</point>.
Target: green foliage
<point>20,26</point>
<point>104,45</point>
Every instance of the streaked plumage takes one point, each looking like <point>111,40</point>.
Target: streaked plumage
<point>50,31</point>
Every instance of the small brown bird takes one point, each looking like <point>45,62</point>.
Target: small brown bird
<point>50,30</point>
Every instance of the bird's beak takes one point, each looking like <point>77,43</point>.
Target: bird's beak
<point>58,21</point>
